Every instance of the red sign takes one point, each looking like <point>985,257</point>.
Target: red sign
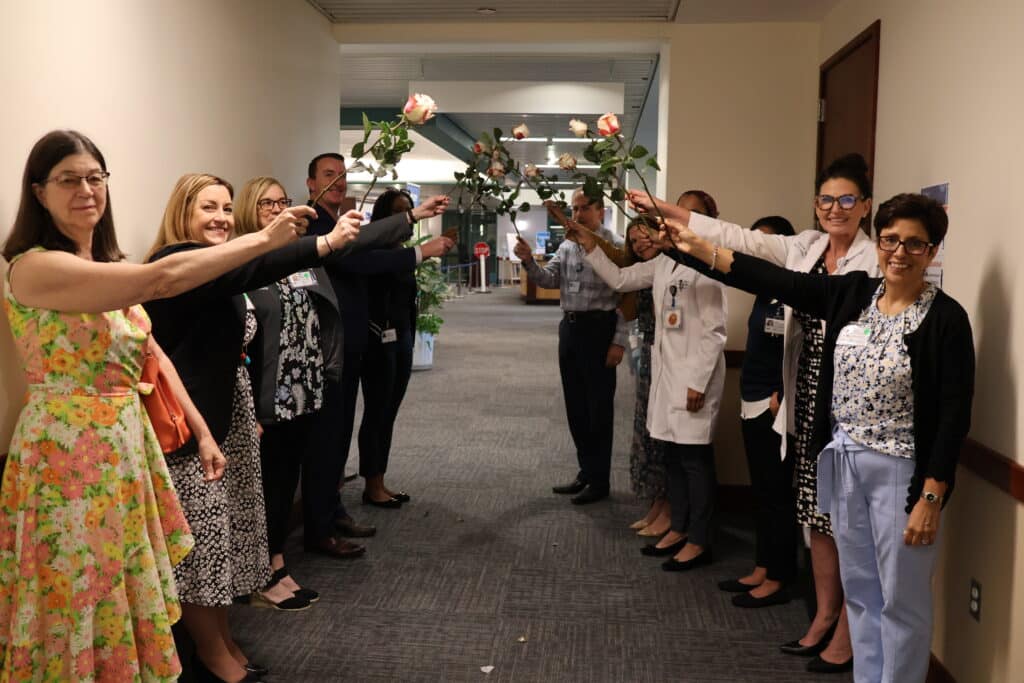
<point>481,249</point>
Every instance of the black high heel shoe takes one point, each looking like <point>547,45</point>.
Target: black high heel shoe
<point>303,593</point>
<point>391,503</point>
<point>652,549</point>
<point>794,647</point>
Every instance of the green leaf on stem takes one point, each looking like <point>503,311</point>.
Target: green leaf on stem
<point>524,207</point>
<point>638,151</point>
<point>357,150</point>
<point>367,126</point>
<point>618,194</point>
<point>653,163</point>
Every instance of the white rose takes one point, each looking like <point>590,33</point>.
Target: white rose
<point>578,128</point>
<point>496,169</point>
<point>480,148</point>
<point>520,132</point>
<point>608,125</point>
<point>531,171</point>
<point>567,162</point>
<point>419,109</point>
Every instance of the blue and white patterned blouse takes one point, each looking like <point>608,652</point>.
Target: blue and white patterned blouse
<point>872,398</point>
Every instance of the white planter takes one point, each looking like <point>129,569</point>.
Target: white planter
<point>423,351</point>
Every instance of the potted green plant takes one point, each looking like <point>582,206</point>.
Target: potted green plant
<point>431,290</point>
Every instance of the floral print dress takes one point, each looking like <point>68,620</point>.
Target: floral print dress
<point>646,455</point>
<point>90,524</point>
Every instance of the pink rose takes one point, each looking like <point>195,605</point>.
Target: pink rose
<point>608,125</point>
<point>531,171</point>
<point>496,169</point>
<point>567,162</point>
<point>419,109</point>
<point>520,132</point>
<point>578,128</point>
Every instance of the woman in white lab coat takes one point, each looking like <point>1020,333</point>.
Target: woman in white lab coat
<point>843,207</point>
<point>687,376</point>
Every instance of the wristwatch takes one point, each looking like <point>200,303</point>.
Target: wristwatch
<point>931,497</point>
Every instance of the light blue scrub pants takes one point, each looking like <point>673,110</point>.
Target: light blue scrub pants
<point>887,583</point>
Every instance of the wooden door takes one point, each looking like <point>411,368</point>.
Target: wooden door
<point>848,104</point>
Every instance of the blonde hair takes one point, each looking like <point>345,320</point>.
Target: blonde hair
<point>174,225</point>
<point>247,213</point>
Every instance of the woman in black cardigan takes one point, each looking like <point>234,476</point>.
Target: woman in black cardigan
<point>205,331</point>
<point>892,411</point>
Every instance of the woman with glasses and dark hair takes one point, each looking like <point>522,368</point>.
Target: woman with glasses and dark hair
<point>206,331</point>
<point>842,203</point>
<point>892,410</point>
<point>387,361</point>
<point>90,524</point>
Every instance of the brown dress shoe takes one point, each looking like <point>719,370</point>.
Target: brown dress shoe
<point>348,527</point>
<point>337,547</point>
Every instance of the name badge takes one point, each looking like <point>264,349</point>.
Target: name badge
<point>854,335</point>
<point>303,278</point>
<point>574,287</point>
<point>673,318</point>
<point>388,336</point>
<point>774,326</point>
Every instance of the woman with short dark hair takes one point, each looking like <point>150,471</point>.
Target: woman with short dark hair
<point>892,410</point>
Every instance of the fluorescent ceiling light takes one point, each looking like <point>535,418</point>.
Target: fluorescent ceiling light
<point>577,166</point>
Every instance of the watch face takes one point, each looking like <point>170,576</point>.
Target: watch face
<point>930,497</point>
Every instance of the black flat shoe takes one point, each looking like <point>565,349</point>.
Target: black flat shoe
<point>673,565</point>
<point>734,586</point>
<point>573,487</point>
<point>255,669</point>
<point>779,597</point>
<point>652,550</point>
<point>820,666</point>
<point>401,497</point>
<point>794,647</point>
<point>590,494</point>
<point>390,503</point>
<point>304,593</point>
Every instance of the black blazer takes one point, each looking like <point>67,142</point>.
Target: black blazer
<point>941,353</point>
<point>202,330</point>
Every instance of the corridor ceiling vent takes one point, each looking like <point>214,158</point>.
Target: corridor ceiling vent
<point>486,11</point>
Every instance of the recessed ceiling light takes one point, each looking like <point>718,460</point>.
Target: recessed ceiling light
<point>486,10</point>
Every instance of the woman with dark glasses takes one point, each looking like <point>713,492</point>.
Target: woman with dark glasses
<point>892,410</point>
<point>842,204</point>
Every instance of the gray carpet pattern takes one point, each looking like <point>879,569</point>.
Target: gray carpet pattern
<point>486,567</point>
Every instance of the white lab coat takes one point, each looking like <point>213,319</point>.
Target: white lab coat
<point>692,356</point>
<point>797,252</point>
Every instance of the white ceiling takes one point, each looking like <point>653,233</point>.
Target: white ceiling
<point>684,12</point>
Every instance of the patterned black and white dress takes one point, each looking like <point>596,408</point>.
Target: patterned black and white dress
<point>227,517</point>
<point>807,371</point>
<point>646,457</point>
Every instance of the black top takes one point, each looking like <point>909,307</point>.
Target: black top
<point>201,330</point>
<point>761,375</point>
<point>941,354</point>
<point>392,301</point>
<point>349,267</point>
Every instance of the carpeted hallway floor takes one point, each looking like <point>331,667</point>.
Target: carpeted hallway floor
<point>486,567</point>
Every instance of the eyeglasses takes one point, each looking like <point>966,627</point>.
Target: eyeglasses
<point>912,246</point>
<point>72,181</point>
<point>268,204</point>
<point>846,201</point>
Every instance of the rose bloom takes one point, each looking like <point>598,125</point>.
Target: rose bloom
<point>567,162</point>
<point>520,132</point>
<point>608,125</point>
<point>578,128</point>
<point>496,169</point>
<point>480,148</point>
<point>419,109</point>
<point>531,171</point>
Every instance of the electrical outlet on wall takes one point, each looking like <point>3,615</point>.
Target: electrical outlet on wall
<point>974,605</point>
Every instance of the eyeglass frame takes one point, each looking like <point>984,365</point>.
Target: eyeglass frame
<point>67,175</point>
<point>837,199</point>
<point>268,204</point>
<point>903,243</point>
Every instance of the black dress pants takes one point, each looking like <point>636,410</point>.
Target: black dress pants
<point>771,479</point>
<point>589,390</point>
<point>691,489</point>
<point>282,450</point>
<point>385,377</point>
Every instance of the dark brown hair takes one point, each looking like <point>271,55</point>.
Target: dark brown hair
<point>642,221</point>
<point>707,200</point>
<point>928,212</point>
<point>33,225</point>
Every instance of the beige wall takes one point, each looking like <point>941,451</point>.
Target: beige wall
<point>236,87</point>
<point>950,108</point>
<point>739,112</point>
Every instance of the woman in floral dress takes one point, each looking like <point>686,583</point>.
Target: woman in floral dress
<point>90,525</point>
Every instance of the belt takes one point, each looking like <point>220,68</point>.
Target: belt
<point>583,316</point>
<point>837,471</point>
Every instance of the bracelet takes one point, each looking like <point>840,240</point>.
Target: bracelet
<point>330,248</point>
<point>714,257</point>
<point>412,217</point>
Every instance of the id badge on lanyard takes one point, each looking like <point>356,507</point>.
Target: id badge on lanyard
<point>303,278</point>
<point>854,334</point>
<point>673,316</point>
